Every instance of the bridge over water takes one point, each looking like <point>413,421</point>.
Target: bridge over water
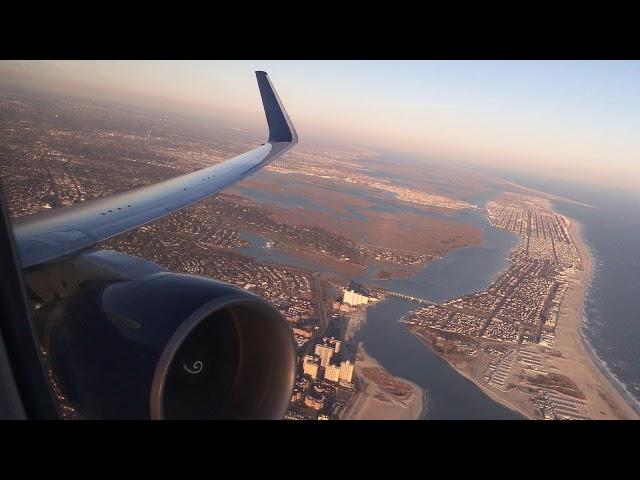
<point>419,301</point>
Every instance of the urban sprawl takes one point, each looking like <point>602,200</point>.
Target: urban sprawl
<point>502,333</point>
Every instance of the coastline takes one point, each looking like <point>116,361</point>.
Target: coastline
<point>571,355</point>
<point>377,401</point>
<point>485,389</point>
<point>576,359</point>
<point>605,388</point>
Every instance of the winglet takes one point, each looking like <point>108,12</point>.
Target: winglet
<point>280,126</point>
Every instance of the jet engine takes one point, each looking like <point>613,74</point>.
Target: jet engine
<point>168,346</point>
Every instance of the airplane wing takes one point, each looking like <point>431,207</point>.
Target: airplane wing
<point>47,236</point>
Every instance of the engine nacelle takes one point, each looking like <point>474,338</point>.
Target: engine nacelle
<point>169,346</point>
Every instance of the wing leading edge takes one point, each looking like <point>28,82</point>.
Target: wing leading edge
<point>48,236</point>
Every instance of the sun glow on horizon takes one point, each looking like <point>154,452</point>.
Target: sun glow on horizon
<point>567,119</point>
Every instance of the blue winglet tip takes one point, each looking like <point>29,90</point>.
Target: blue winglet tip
<point>280,126</point>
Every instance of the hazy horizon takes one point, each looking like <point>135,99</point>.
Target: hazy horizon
<point>568,120</point>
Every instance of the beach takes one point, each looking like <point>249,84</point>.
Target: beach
<point>569,356</point>
<point>604,399</point>
<point>384,397</point>
<point>567,372</point>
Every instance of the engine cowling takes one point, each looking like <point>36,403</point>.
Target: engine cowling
<point>169,346</point>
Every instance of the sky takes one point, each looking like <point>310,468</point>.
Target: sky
<point>568,119</point>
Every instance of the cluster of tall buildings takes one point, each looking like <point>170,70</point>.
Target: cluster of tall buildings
<point>320,362</point>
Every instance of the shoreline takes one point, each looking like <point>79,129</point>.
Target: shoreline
<point>615,387</point>
<point>485,389</point>
<point>424,413</point>
<point>602,390</point>
<point>611,377</point>
<point>572,354</point>
<point>377,403</point>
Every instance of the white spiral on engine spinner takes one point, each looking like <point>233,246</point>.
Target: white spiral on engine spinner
<point>196,367</point>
